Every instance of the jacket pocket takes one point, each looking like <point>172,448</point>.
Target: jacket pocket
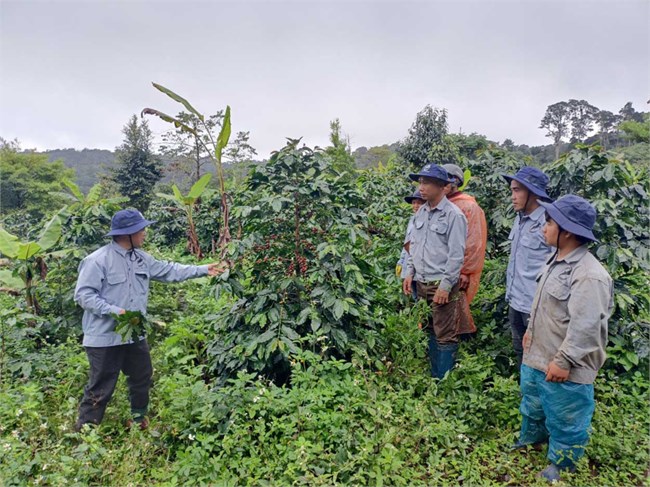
<point>115,278</point>
<point>439,227</point>
<point>142,281</point>
<point>559,289</point>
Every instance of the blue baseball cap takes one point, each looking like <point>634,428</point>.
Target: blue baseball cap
<point>432,171</point>
<point>533,179</point>
<point>574,214</point>
<point>128,222</point>
<point>415,196</point>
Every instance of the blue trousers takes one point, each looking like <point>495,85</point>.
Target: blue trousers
<point>559,412</point>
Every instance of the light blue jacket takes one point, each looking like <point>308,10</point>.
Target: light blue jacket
<point>438,244</point>
<point>109,281</point>
<point>528,255</point>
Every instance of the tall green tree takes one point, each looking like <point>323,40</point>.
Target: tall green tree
<point>340,152</point>
<point>138,167</point>
<point>428,130</point>
<point>606,122</point>
<point>582,115</point>
<point>557,122</point>
<point>629,113</point>
<point>28,179</point>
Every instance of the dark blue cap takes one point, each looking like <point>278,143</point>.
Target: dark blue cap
<point>415,196</point>
<point>432,171</point>
<point>533,179</point>
<point>127,222</point>
<point>574,214</point>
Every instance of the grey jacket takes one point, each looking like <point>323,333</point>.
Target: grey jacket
<point>109,281</point>
<point>438,244</point>
<point>568,323</point>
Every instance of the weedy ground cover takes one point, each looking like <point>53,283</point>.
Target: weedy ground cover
<point>337,422</point>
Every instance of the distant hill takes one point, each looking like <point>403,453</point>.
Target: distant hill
<point>88,163</point>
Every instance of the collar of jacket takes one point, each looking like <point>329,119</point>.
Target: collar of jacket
<point>442,204</point>
<point>119,249</point>
<point>575,255</point>
<point>537,214</point>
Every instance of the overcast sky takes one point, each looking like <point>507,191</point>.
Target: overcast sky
<point>73,72</point>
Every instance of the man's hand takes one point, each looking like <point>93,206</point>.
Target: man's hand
<point>216,268</point>
<point>556,374</point>
<point>406,285</point>
<point>122,311</point>
<point>441,296</point>
<point>525,341</point>
<point>463,282</point>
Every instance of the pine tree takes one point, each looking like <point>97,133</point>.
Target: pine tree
<point>138,167</point>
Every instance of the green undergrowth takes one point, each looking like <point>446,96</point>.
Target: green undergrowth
<point>358,422</point>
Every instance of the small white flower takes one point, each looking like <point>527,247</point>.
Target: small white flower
<point>19,412</point>
<point>44,466</point>
<point>191,437</point>
<point>6,447</point>
<point>43,426</point>
<point>256,398</point>
<point>63,427</point>
<point>15,433</point>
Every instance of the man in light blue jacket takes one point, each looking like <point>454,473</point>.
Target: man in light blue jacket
<point>528,250</point>
<point>112,280</point>
<point>437,252</point>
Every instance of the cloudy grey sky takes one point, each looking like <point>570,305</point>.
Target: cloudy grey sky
<point>71,73</point>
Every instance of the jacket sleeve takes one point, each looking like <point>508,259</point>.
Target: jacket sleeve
<point>88,289</point>
<point>160,270</point>
<point>589,308</point>
<point>456,242</point>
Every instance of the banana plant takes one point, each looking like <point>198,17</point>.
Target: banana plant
<point>187,203</point>
<point>30,257</point>
<point>217,144</point>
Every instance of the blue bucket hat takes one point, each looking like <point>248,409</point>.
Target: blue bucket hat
<point>574,214</point>
<point>415,196</point>
<point>533,179</point>
<point>432,171</point>
<point>127,222</point>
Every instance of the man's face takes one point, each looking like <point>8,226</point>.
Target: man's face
<point>431,189</point>
<point>551,230</point>
<point>138,238</point>
<point>416,204</point>
<point>519,195</point>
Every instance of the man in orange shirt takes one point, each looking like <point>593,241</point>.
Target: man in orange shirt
<point>470,273</point>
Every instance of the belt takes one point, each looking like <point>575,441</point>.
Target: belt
<point>435,282</point>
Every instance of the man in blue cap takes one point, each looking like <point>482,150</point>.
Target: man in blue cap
<point>436,256</point>
<point>528,250</point>
<point>112,280</point>
<point>564,346</point>
<point>416,201</point>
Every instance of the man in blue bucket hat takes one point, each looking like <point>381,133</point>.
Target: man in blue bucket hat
<point>528,250</point>
<point>416,201</point>
<point>112,280</point>
<point>564,346</point>
<point>437,250</point>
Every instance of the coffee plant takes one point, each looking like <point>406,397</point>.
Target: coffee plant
<point>300,278</point>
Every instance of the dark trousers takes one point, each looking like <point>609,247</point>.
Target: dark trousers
<point>106,363</point>
<point>518,326</point>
